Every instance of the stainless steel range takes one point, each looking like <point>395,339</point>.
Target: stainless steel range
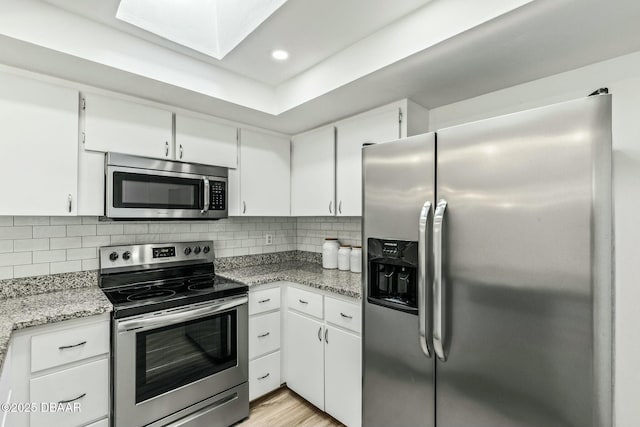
<point>179,337</point>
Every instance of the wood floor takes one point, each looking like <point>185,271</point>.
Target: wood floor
<point>284,408</point>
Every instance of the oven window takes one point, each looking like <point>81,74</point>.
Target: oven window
<point>131,190</point>
<point>172,356</point>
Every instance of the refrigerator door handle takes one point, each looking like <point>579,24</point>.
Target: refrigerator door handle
<point>438,290</point>
<point>423,252</point>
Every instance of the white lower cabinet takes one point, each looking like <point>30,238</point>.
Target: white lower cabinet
<point>323,352</point>
<point>343,376</point>
<point>73,396</point>
<point>305,358</point>
<point>62,370</point>
<point>264,375</point>
<point>264,340</point>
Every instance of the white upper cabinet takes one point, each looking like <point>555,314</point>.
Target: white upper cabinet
<point>264,175</point>
<point>204,141</point>
<point>39,161</point>
<point>126,127</point>
<point>313,173</point>
<point>373,127</point>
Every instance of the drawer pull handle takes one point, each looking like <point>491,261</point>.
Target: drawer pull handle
<point>264,300</point>
<point>64,347</point>
<point>73,400</point>
<point>263,335</point>
<point>303,301</point>
<point>264,376</point>
<point>346,316</point>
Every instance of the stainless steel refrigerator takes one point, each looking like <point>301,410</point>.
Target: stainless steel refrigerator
<point>488,273</point>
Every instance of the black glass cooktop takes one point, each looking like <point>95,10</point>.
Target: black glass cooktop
<point>144,292</point>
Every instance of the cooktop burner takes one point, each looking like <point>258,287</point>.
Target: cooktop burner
<point>141,279</point>
<point>153,293</point>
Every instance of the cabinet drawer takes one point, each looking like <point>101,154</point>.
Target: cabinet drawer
<point>91,381</point>
<point>69,345</point>
<point>305,302</point>
<point>264,300</point>
<point>101,423</point>
<point>345,314</point>
<point>264,334</point>
<point>264,375</point>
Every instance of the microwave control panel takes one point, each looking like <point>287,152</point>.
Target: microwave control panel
<point>218,196</point>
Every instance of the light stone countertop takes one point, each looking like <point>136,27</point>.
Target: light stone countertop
<point>41,300</point>
<point>40,309</point>
<point>305,273</point>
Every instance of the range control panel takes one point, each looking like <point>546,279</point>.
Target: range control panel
<point>218,195</point>
<point>134,257</point>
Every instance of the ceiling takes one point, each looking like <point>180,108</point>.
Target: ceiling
<point>441,52</point>
<point>309,30</point>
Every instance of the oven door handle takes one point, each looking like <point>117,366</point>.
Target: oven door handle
<point>137,325</point>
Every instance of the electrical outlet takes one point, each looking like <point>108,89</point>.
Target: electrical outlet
<point>268,239</point>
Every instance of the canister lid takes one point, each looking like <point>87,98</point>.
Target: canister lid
<point>345,246</point>
<point>330,238</point>
<point>357,247</point>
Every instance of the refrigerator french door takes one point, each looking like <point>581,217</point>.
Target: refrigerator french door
<point>512,319</point>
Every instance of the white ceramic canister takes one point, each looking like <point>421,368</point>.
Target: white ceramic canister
<point>344,255</point>
<point>330,253</point>
<point>356,259</point>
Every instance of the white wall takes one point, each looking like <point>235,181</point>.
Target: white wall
<point>622,77</point>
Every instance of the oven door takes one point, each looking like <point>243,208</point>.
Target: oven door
<point>165,362</point>
<point>143,193</point>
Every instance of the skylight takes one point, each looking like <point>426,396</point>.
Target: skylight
<point>212,27</point>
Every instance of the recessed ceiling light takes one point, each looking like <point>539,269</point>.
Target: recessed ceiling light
<point>280,55</point>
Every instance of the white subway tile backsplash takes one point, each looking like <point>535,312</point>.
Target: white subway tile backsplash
<point>6,246</point>
<point>31,220</point>
<point>83,253</point>
<point>106,229</point>
<point>81,230</point>
<point>27,245</point>
<point>30,270</point>
<point>65,242</point>
<point>24,232</point>
<point>90,264</point>
<point>15,258</point>
<point>66,220</point>
<point>95,241</point>
<point>6,272</point>
<point>135,229</point>
<point>49,256</point>
<point>65,267</point>
<point>49,231</point>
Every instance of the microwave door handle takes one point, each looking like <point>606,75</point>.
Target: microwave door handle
<point>207,194</point>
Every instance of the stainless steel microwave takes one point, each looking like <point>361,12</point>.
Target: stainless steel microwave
<point>139,187</point>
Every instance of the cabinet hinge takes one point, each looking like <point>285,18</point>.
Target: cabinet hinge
<point>83,103</point>
<point>399,122</point>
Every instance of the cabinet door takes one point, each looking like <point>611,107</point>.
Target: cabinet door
<point>313,173</point>
<point>305,359</point>
<point>264,174</point>
<point>374,127</point>
<point>39,161</point>
<point>207,142</point>
<point>126,127</point>
<point>343,376</point>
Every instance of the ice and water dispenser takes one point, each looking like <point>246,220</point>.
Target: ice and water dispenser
<point>392,267</point>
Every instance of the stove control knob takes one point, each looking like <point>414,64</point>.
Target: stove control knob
<point>206,249</point>
<point>187,250</point>
<point>126,256</point>
<point>113,256</point>
<point>196,250</point>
